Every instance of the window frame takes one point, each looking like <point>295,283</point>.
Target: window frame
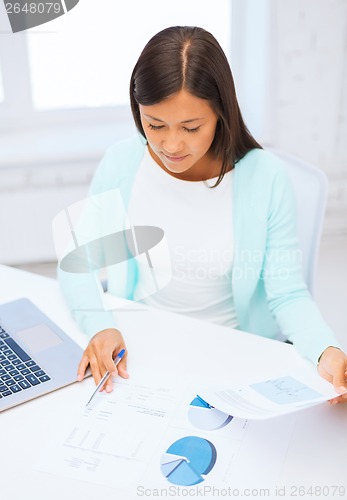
<point>17,113</point>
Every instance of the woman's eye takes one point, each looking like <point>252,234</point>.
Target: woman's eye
<point>191,129</point>
<point>159,127</point>
<point>155,127</point>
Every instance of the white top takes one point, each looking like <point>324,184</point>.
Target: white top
<point>197,246</point>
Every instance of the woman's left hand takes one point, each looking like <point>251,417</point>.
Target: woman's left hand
<point>333,367</point>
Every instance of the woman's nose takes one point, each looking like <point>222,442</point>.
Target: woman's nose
<point>172,143</point>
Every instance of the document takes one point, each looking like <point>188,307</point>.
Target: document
<point>262,399</point>
<point>156,433</point>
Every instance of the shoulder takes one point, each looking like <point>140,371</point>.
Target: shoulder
<point>119,162</point>
<point>260,164</point>
<point>128,149</point>
<point>262,182</point>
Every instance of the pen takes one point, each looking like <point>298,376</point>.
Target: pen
<point>116,361</point>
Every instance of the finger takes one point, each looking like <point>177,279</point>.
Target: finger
<point>122,368</point>
<point>94,366</point>
<point>339,399</point>
<point>109,385</point>
<point>81,370</point>
<point>109,363</point>
<point>339,380</point>
<point>104,358</point>
<point>106,364</point>
<point>119,370</point>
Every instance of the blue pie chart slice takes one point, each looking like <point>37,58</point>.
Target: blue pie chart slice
<point>200,403</point>
<point>187,460</point>
<point>204,416</point>
<point>169,467</point>
<point>185,475</point>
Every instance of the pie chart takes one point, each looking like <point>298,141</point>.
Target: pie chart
<point>204,416</point>
<point>85,243</point>
<point>187,460</point>
<point>112,249</point>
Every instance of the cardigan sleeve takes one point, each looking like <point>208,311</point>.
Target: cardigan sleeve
<point>104,214</point>
<point>83,290</point>
<point>289,300</point>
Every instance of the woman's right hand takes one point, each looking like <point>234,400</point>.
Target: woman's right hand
<point>99,354</point>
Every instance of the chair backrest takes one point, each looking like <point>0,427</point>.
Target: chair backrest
<point>311,188</point>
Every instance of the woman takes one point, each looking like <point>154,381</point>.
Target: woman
<point>225,205</point>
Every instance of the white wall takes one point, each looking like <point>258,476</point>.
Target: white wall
<point>41,173</point>
<point>289,59</point>
<point>311,95</point>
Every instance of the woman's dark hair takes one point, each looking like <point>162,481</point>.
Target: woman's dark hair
<point>190,58</point>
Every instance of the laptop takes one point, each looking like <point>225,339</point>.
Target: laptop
<point>36,356</point>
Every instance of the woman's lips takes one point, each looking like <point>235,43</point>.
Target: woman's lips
<point>175,159</point>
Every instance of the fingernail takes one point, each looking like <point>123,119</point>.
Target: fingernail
<point>79,377</point>
<point>108,389</point>
<point>342,389</point>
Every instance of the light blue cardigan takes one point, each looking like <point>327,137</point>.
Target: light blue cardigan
<point>268,287</point>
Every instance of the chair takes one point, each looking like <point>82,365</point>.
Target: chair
<point>311,188</point>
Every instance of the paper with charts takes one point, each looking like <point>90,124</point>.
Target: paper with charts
<point>263,399</point>
<point>154,434</point>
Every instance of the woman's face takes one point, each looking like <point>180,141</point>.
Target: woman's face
<point>180,131</point>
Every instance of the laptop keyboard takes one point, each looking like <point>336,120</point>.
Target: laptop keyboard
<point>18,371</point>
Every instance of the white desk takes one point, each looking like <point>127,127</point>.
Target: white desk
<point>318,448</point>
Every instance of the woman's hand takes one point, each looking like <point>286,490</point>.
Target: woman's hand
<point>333,367</point>
<point>99,354</point>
